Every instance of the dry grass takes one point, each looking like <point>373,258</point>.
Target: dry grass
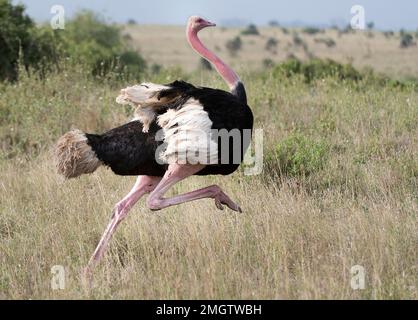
<point>166,45</point>
<point>287,244</point>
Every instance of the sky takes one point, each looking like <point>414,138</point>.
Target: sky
<point>386,14</point>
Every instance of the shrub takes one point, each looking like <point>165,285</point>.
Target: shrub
<point>285,30</point>
<point>205,64</point>
<point>329,42</point>
<point>288,68</point>
<point>271,44</point>
<point>297,41</point>
<point>407,41</point>
<point>347,29</point>
<point>234,45</point>
<point>298,155</point>
<point>268,63</point>
<point>20,39</point>
<point>156,68</point>
<point>250,30</point>
<point>312,30</point>
<point>317,69</point>
<point>87,40</point>
<point>388,34</point>
<point>90,40</point>
<point>131,63</point>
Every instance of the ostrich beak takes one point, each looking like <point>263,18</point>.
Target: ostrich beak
<point>210,24</point>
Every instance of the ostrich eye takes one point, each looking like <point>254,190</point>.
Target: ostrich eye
<point>199,20</point>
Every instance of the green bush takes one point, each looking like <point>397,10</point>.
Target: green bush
<point>346,30</point>
<point>271,44</point>
<point>317,69</point>
<point>297,40</point>
<point>298,155</point>
<point>312,30</point>
<point>21,41</point>
<point>89,39</point>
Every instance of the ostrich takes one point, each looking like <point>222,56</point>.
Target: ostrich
<point>174,116</point>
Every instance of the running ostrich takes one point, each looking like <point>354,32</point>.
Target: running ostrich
<point>164,144</point>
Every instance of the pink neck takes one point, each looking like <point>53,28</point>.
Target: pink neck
<point>225,71</point>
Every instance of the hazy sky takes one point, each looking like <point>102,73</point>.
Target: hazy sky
<point>386,14</point>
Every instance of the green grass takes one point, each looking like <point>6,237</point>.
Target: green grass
<point>298,155</point>
<point>342,193</point>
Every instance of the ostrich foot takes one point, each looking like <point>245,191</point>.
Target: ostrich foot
<point>221,198</point>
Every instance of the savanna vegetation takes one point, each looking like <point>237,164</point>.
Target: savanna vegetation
<point>338,186</point>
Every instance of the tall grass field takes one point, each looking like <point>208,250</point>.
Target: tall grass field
<point>338,191</point>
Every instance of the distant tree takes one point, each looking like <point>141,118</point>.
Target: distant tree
<point>251,30</point>
<point>370,25</point>
<point>271,44</point>
<point>407,40</point>
<point>132,21</point>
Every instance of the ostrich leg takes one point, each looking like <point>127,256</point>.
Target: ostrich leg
<point>143,185</point>
<point>176,173</point>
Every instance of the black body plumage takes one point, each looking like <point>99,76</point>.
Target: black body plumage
<point>129,151</point>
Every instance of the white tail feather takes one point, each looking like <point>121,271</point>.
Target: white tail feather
<point>144,98</point>
<point>141,94</point>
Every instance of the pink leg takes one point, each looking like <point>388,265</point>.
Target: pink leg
<point>143,185</point>
<point>176,173</point>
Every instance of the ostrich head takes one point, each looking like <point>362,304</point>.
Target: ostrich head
<point>197,23</point>
<point>194,25</point>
